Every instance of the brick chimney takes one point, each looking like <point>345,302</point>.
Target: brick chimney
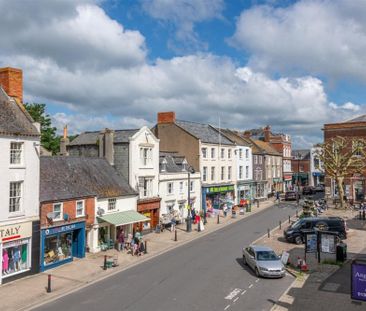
<point>11,80</point>
<point>166,117</point>
<point>64,143</point>
<point>106,145</point>
<point>267,133</point>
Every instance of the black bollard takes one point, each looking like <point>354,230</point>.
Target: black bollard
<point>268,233</point>
<point>296,214</point>
<point>145,251</point>
<point>280,224</point>
<point>176,235</point>
<point>218,218</point>
<point>199,226</point>
<point>49,284</point>
<point>105,262</point>
<point>363,215</point>
<point>257,203</point>
<point>289,219</point>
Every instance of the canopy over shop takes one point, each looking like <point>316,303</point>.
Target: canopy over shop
<point>110,226</point>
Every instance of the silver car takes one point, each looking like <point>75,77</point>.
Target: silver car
<point>263,261</point>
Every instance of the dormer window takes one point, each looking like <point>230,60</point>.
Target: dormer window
<point>163,165</point>
<point>184,165</point>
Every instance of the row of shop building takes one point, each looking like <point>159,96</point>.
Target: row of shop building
<point>55,208</point>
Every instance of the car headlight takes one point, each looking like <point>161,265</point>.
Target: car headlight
<point>289,232</point>
<point>263,268</point>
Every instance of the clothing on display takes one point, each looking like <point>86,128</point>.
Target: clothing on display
<point>14,258</point>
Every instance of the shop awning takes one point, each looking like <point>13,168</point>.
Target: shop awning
<point>123,218</point>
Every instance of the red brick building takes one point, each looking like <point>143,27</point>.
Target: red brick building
<point>354,186</point>
<point>300,164</point>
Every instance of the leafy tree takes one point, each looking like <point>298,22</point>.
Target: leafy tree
<point>343,158</point>
<point>49,139</point>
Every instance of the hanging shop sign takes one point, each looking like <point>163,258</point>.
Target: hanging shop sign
<point>358,280</point>
<point>15,231</point>
<point>220,189</point>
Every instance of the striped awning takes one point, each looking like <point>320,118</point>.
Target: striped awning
<point>123,218</point>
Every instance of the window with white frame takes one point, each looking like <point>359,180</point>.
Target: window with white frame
<point>181,187</point>
<point>255,158</point>
<point>191,186</point>
<point>58,211</point>
<point>16,153</point>
<point>247,172</point>
<point>112,204</point>
<point>260,159</point>
<point>212,153</point>
<point>170,189</point>
<point>229,173</point>
<point>204,153</point>
<point>240,153</point>
<point>146,156</point>
<point>229,153</point>
<point>247,154</point>
<point>204,175</point>
<point>212,173</point>
<point>145,186</point>
<point>15,196</point>
<point>240,172</point>
<point>222,153</point>
<point>80,208</point>
<point>222,172</point>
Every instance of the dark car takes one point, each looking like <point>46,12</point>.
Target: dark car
<point>308,190</point>
<point>290,195</point>
<point>319,188</point>
<point>295,233</point>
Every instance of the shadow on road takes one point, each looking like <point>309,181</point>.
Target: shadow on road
<point>245,267</point>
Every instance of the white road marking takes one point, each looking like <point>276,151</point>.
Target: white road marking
<point>243,292</point>
<point>257,280</point>
<point>236,299</point>
<point>227,307</point>
<point>234,293</point>
<point>251,285</point>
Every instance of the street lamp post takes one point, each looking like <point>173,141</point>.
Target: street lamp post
<point>189,218</point>
<point>298,156</point>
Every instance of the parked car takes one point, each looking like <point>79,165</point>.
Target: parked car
<point>295,232</point>
<point>264,261</point>
<point>319,188</point>
<point>290,195</point>
<point>308,190</point>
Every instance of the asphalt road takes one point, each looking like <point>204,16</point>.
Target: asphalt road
<point>205,274</point>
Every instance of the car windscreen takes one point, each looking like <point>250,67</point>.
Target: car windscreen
<point>296,225</point>
<point>266,255</point>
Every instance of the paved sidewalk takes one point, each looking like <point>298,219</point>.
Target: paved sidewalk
<point>29,292</point>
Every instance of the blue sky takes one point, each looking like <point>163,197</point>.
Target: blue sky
<point>292,64</point>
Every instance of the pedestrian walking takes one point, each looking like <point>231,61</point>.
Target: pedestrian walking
<point>278,196</point>
<point>121,241</point>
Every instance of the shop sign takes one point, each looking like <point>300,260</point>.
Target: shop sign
<point>220,189</point>
<point>15,231</point>
<point>66,228</point>
<point>358,284</point>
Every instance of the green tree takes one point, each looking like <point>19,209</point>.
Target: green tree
<point>49,139</point>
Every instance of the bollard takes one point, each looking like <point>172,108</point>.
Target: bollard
<point>363,215</point>
<point>49,284</point>
<point>289,219</point>
<point>268,233</point>
<point>218,218</point>
<point>105,262</point>
<point>199,226</point>
<point>257,203</point>
<point>145,251</point>
<point>280,224</point>
<point>176,235</point>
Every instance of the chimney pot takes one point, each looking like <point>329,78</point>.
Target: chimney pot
<point>166,117</point>
<point>11,80</point>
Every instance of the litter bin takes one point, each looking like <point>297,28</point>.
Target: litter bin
<point>248,207</point>
<point>342,252</point>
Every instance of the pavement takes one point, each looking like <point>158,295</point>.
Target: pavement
<point>28,292</point>
<point>204,274</point>
<point>324,287</point>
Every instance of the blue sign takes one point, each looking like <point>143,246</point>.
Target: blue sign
<point>65,228</point>
<point>358,285</point>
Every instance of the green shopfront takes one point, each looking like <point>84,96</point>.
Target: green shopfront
<point>218,197</point>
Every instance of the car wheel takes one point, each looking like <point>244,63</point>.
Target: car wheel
<point>298,240</point>
<point>244,260</point>
<point>257,272</point>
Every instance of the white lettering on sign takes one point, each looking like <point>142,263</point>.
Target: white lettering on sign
<point>234,293</point>
<point>361,275</point>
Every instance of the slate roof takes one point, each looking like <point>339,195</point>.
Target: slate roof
<point>266,148</point>
<point>304,154</point>
<point>91,138</point>
<point>14,119</point>
<point>205,132</point>
<point>65,178</point>
<point>173,160</point>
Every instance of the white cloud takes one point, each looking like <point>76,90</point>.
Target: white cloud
<point>183,15</point>
<point>319,37</point>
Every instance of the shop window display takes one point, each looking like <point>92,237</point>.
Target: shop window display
<point>15,257</point>
<point>58,248</point>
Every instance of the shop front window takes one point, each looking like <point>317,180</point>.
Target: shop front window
<point>57,248</point>
<point>15,257</point>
